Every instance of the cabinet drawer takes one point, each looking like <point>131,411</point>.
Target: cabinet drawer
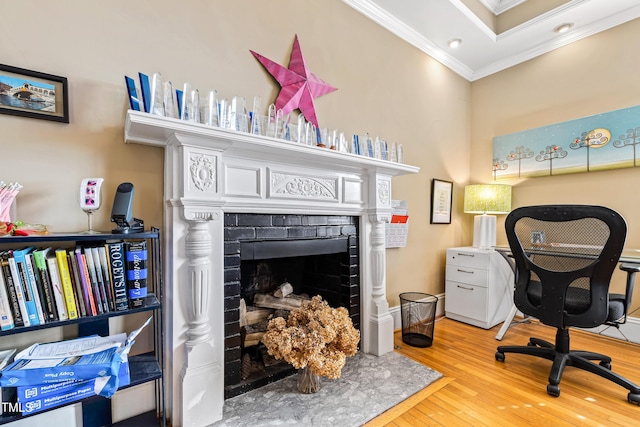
<point>467,258</point>
<point>466,300</point>
<point>468,275</point>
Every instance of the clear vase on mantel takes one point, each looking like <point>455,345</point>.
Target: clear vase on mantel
<point>308,381</point>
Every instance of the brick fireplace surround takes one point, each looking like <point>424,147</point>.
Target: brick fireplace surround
<point>318,254</point>
<point>211,172</point>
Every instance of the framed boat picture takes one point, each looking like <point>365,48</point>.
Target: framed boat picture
<point>33,94</point>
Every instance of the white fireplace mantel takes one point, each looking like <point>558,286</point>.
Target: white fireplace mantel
<point>211,171</point>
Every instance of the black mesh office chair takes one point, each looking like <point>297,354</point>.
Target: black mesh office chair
<point>565,256</point>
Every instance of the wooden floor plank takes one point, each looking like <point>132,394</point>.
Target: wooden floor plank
<point>478,390</point>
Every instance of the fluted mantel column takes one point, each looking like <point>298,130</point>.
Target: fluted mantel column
<point>380,320</point>
<point>197,249</point>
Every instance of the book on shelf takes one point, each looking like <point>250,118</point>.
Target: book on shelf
<point>56,284</point>
<point>6,317</point>
<point>36,287</point>
<point>136,268</point>
<point>77,284</point>
<point>11,289</point>
<point>27,292</point>
<point>104,263</point>
<point>117,268</point>
<point>87,290</point>
<point>67,286</point>
<point>100,278</point>
<point>44,280</point>
<point>95,287</point>
<point>20,291</point>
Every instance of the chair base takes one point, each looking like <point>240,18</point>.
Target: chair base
<point>562,357</point>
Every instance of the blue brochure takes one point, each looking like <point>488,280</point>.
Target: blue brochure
<point>134,101</point>
<point>146,91</point>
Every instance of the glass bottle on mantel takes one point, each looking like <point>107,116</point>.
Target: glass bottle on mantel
<point>308,381</point>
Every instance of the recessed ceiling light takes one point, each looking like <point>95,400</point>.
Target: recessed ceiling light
<point>563,28</point>
<point>454,43</point>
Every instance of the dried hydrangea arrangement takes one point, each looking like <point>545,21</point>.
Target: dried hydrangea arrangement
<point>315,336</point>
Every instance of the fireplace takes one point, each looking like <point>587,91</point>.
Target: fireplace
<point>212,174</point>
<point>316,255</point>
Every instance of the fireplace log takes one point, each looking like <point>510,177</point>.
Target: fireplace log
<point>286,303</point>
<point>252,334</point>
<point>250,315</point>
<point>283,290</point>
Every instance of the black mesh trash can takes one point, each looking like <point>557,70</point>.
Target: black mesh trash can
<point>418,311</point>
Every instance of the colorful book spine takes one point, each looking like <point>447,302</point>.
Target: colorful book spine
<point>67,286</point>
<point>91,268</point>
<point>86,283</point>
<point>36,287</point>
<point>22,303</point>
<point>136,253</point>
<point>118,274</point>
<point>104,263</point>
<point>27,290</point>
<point>11,290</point>
<point>42,277</point>
<point>100,278</point>
<point>6,317</point>
<point>56,284</point>
<point>77,284</point>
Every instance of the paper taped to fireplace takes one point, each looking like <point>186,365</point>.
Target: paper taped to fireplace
<point>398,228</point>
<point>83,358</point>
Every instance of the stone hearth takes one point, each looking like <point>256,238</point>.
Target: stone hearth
<point>210,172</point>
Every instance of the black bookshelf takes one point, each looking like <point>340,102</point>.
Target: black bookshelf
<point>143,368</point>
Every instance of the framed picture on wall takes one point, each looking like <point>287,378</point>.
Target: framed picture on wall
<point>441,197</point>
<point>33,94</point>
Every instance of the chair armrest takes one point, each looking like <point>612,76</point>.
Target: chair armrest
<point>631,270</point>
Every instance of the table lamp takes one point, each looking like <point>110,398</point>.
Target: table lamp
<point>487,200</point>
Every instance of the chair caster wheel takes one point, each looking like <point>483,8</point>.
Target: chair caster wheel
<point>500,356</point>
<point>606,365</point>
<point>634,398</point>
<point>553,390</point>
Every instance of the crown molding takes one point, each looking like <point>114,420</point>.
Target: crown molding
<point>406,33</point>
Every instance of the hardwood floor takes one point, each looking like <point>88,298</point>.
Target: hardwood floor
<point>480,391</point>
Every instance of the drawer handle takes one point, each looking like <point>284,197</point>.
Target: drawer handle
<point>465,288</point>
<point>463,254</point>
<point>465,271</point>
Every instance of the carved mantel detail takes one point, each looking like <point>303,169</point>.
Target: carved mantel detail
<point>296,185</point>
<point>203,171</point>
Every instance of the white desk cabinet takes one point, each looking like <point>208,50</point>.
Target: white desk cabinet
<point>478,287</point>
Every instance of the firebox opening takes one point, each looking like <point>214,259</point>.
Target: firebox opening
<point>325,262</point>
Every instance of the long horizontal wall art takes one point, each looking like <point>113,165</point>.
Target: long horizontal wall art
<point>601,142</point>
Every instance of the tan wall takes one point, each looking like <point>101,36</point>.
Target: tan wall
<point>595,75</point>
<point>385,87</point>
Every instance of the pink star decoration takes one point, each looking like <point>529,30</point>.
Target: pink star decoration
<point>299,86</point>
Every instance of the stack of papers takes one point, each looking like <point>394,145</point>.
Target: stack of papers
<point>52,374</point>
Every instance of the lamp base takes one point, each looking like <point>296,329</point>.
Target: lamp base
<point>484,231</point>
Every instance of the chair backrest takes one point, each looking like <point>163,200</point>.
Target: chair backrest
<point>565,256</point>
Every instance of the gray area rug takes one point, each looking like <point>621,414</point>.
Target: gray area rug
<point>369,385</point>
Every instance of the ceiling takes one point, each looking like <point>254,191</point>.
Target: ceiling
<point>495,34</point>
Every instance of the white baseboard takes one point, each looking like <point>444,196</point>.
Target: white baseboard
<point>629,331</point>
